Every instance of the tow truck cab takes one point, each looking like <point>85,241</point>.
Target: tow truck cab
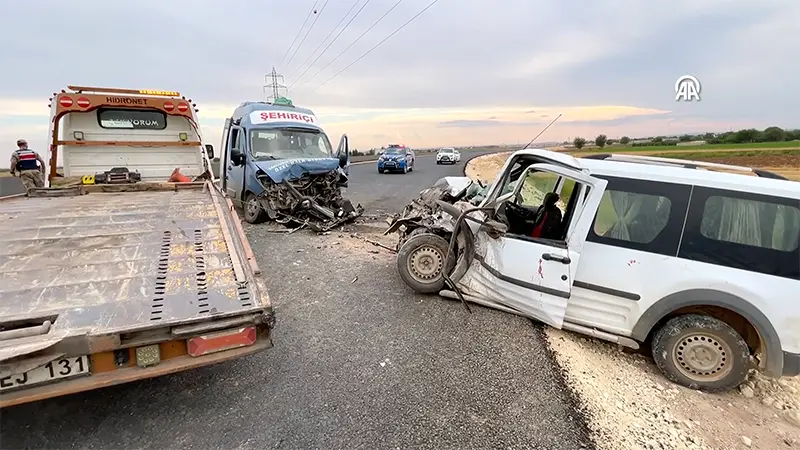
<point>279,139</point>
<point>148,132</point>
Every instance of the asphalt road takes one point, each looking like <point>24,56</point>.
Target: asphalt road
<point>11,185</point>
<point>359,362</point>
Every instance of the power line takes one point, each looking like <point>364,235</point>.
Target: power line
<point>353,43</point>
<point>376,45</point>
<point>331,43</point>
<point>307,31</point>
<point>329,34</point>
<point>308,16</point>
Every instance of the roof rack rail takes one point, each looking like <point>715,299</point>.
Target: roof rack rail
<point>685,163</point>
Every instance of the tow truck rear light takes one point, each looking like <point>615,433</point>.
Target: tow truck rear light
<point>221,341</point>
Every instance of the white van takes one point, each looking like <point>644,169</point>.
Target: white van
<point>697,260</point>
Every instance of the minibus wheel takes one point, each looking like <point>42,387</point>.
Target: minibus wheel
<point>253,212</point>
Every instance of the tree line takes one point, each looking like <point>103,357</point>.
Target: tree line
<point>745,136</point>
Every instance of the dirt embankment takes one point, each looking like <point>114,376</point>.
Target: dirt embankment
<point>631,406</point>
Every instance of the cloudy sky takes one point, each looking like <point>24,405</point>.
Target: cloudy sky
<point>464,72</point>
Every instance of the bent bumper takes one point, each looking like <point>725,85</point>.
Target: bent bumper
<point>791,364</point>
<point>133,373</point>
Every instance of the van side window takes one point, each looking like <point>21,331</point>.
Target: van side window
<point>630,216</point>
<point>750,222</point>
<point>234,139</point>
<point>641,215</point>
<point>538,213</point>
<point>742,230</point>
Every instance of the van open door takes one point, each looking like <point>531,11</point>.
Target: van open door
<point>534,275</point>
<point>343,155</point>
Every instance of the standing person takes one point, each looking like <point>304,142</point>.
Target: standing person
<point>28,164</point>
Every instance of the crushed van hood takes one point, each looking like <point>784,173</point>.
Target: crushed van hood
<point>282,170</point>
<point>425,211</point>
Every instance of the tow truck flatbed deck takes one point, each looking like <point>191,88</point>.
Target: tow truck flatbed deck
<point>108,262</point>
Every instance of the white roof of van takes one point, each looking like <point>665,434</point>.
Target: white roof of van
<point>666,170</point>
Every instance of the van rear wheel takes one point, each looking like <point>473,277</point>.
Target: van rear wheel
<point>701,352</point>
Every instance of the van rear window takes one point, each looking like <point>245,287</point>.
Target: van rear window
<point>749,222</point>
<point>131,119</point>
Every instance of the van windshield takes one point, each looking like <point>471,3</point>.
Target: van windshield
<point>286,143</point>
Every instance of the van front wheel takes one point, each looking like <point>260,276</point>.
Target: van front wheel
<point>701,352</point>
<point>420,262</point>
<point>253,212</point>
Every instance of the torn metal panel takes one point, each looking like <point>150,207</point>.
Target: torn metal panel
<point>485,280</point>
<point>310,199</point>
<point>427,213</point>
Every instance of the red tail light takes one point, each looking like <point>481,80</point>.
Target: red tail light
<point>221,341</point>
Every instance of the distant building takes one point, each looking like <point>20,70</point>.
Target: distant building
<point>692,143</point>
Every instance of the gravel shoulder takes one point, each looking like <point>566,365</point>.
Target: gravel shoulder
<point>629,405</point>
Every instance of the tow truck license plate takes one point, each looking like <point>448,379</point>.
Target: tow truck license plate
<point>54,370</point>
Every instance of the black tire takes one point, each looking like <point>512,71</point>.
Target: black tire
<point>415,268</point>
<point>253,214</point>
<point>723,353</point>
<point>380,170</point>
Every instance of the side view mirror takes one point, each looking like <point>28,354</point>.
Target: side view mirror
<point>237,157</point>
<point>210,151</point>
<point>343,152</point>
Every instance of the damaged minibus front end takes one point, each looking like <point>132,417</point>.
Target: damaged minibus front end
<point>279,165</point>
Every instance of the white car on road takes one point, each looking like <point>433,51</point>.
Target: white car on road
<point>448,156</point>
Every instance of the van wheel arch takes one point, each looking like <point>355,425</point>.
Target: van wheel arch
<point>741,315</point>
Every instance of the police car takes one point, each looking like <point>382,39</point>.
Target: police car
<point>396,158</point>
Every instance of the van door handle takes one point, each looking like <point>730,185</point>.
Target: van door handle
<point>552,257</point>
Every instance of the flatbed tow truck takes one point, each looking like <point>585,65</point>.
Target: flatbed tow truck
<point>123,276</point>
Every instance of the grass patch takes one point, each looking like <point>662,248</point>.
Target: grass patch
<point>728,154</point>
<point>707,147</point>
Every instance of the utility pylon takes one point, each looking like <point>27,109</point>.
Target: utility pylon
<point>274,87</point>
